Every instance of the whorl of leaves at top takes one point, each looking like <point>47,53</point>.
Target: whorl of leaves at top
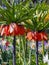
<point>21,12</point>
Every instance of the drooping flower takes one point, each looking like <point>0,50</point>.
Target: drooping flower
<point>12,29</point>
<point>39,36</point>
<point>21,30</point>
<point>1,27</point>
<point>45,36</point>
<point>36,36</point>
<point>29,35</point>
<point>5,30</point>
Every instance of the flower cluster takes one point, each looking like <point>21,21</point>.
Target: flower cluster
<point>36,36</point>
<point>12,29</point>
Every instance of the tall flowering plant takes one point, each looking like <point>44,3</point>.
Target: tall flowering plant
<point>14,16</point>
<point>40,23</point>
<point>11,16</point>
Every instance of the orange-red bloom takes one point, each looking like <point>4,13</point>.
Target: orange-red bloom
<point>12,29</point>
<point>21,30</point>
<point>5,31</point>
<point>30,36</point>
<point>45,36</point>
<point>36,36</point>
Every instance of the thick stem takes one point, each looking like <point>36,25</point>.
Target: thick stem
<point>14,50</point>
<point>36,52</point>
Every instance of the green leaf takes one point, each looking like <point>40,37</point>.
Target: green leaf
<point>46,25</point>
<point>7,4</point>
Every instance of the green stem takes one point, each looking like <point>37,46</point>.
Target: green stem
<point>29,56</point>
<point>23,50</point>
<point>43,47</point>
<point>19,47</point>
